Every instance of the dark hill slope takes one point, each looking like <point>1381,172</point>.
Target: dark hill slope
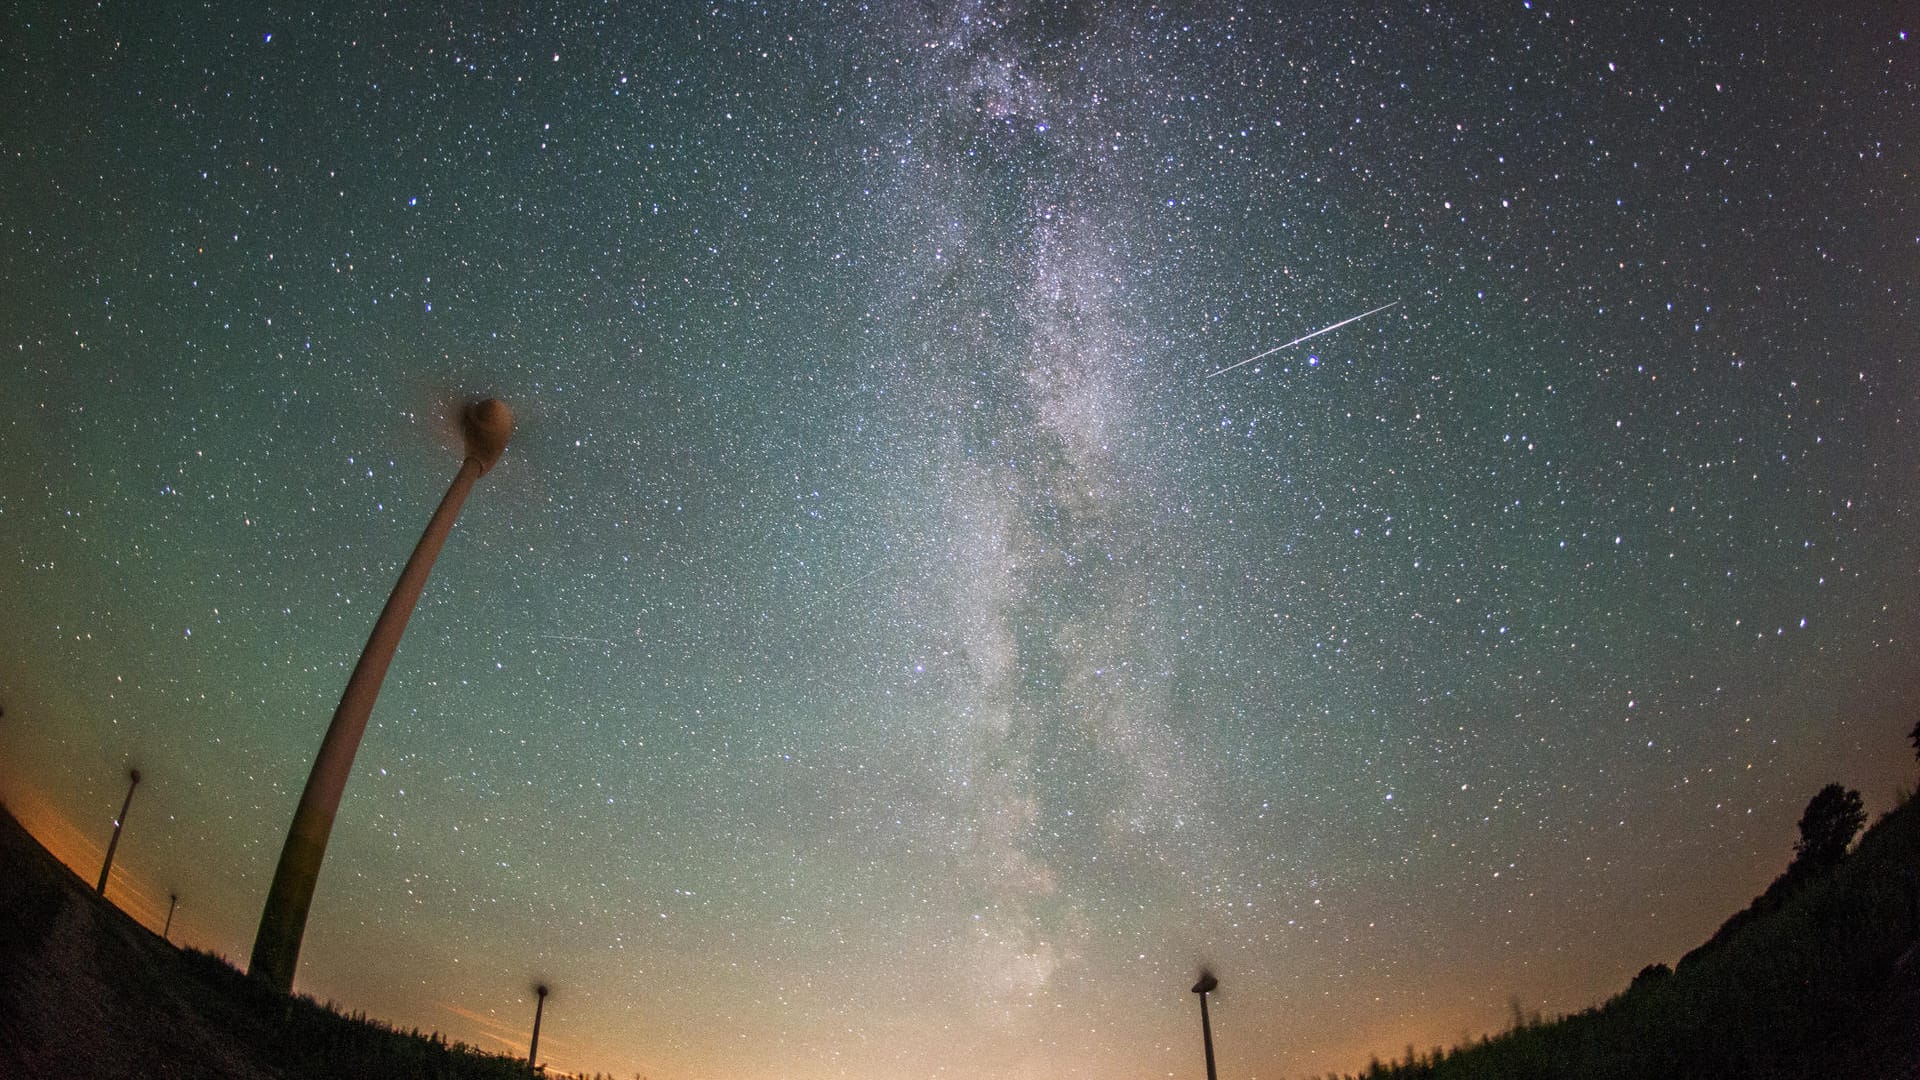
<point>1818,978</point>
<point>87,992</point>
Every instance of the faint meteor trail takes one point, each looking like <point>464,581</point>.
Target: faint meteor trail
<point>575,637</point>
<point>855,581</point>
<point>1304,337</point>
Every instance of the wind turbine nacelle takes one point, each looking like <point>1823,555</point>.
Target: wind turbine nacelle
<point>487,425</point>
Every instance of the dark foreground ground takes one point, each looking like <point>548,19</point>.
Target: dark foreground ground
<point>86,992</point>
<point>1819,977</point>
<point>1820,980</point>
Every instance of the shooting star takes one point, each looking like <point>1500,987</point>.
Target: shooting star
<point>1304,337</point>
<point>572,637</point>
<point>854,582</point>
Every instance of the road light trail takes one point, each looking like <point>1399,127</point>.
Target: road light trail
<point>1304,337</point>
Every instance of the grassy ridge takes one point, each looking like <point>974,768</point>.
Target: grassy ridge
<point>302,1038</point>
<point>1819,977</point>
<point>85,991</point>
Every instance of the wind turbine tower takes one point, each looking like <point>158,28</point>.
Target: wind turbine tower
<point>118,824</point>
<point>533,1048</point>
<point>486,427</point>
<point>1207,985</point>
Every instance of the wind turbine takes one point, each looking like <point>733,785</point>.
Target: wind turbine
<point>486,427</point>
<point>118,824</point>
<point>1207,985</point>
<point>533,1049</point>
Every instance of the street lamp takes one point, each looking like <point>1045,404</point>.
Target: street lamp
<point>486,427</point>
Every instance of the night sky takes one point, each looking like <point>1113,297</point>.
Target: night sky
<point>887,649</point>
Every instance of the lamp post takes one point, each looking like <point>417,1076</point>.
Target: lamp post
<point>166,932</point>
<point>118,824</point>
<point>1205,986</point>
<point>486,427</point>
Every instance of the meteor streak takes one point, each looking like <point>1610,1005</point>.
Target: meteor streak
<point>1304,337</point>
<point>573,637</point>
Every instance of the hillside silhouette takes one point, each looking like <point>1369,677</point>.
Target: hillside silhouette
<point>85,991</point>
<point>1818,977</point>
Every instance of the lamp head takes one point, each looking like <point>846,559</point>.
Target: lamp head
<point>1207,983</point>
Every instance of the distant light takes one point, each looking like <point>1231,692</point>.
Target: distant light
<point>267,39</point>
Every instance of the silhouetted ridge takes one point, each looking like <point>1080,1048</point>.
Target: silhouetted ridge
<point>85,991</point>
<point>1827,828</point>
<point>1819,977</point>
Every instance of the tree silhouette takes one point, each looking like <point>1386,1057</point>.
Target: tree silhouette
<point>1826,828</point>
<point>1916,738</point>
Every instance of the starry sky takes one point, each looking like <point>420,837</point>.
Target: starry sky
<point>888,648</point>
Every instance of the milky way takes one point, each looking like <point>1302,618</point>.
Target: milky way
<point>1010,504</point>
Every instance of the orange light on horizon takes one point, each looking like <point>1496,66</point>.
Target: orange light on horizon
<point>81,853</point>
